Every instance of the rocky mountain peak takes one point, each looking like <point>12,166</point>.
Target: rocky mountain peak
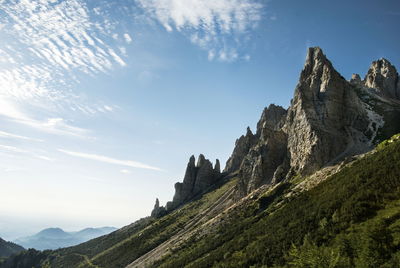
<point>217,167</point>
<point>242,147</point>
<point>355,79</point>
<point>192,160</point>
<point>249,133</point>
<point>322,115</point>
<point>200,161</point>
<point>383,77</point>
<point>329,119</point>
<point>157,210</point>
<point>271,118</point>
<point>198,178</point>
<point>326,121</point>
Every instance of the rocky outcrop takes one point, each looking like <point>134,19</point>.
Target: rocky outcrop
<point>262,161</point>
<point>158,211</point>
<point>272,118</point>
<point>383,77</point>
<point>242,147</point>
<point>267,153</point>
<point>325,118</point>
<point>355,79</point>
<point>198,178</point>
<point>328,119</point>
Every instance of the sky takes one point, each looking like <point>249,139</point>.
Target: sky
<point>103,102</point>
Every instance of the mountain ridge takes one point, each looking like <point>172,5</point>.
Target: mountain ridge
<point>53,238</point>
<point>9,248</point>
<point>307,176</point>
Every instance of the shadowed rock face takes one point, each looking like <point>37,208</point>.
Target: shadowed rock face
<point>329,119</point>
<point>267,153</point>
<point>383,76</point>
<point>198,178</point>
<point>242,147</point>
<point>325,116</point>
<point>157,210</point>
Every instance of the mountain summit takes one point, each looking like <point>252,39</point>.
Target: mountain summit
<point>329,119</point>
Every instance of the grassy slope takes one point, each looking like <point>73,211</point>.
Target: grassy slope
<point>120,248</point>
<point>8,248</point>
<point>342,219</point>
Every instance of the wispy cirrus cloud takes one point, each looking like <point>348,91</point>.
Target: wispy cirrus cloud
<point>55,125</point>
<point>110,160</point>
<point>6,134</point>
<point>16,150</point>
<point>212,25</point>
<point>46,44</point>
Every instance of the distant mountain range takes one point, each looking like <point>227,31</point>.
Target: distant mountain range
<point>8,248</point>
<point>53,238</point>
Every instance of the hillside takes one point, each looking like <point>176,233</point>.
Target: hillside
<point>316,185</point>
<point>351,219</point>
<point>53,238</point>
<point>8,248</point>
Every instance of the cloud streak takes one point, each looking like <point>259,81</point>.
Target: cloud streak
<point>110,160</point>
<point>55,125</point>
<point>13,149</point>
<point>45,45</point>
<point>15,136</point>
<point>209,24</point>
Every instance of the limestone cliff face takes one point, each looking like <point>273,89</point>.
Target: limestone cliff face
<point>242,147</point>
<point>267,153</point>
<point>329,119</point>
<point>326,117</point>
<point>383,77</point>
<point>198,178</point>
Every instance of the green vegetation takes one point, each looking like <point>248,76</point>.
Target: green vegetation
<point>8,248</point>
<point>120,248</point>
<point>352,219</point>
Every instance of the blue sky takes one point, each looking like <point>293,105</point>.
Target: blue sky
<point>103,102</point>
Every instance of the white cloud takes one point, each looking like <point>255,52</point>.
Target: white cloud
<point>17,150</point>
<point>50,125</point>
<point>12,149</point>
<point>209,24</point>
<point>128,38</point>
<point>43,46</point>
<point>108,108</point>
<point>15,136</point>
<point>125,171</point>
<point>110,160</point>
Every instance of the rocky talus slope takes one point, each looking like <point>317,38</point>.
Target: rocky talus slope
<point>308,180</point>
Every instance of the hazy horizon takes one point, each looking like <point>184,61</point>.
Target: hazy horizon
<point>102,103</point>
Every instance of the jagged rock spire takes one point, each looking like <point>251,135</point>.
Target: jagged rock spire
<point>217,167</point>
<point>355,79</point>
<point>242,147</point>
<point>198,178</point>
<point>200,161</point>
<point>322,112</point>
<point>157,210</point>
<point>383,76</point>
